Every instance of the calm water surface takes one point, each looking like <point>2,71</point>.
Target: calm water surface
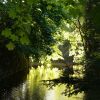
<point>32,88</point>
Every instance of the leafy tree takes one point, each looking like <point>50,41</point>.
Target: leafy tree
<point>90,33</point>
<point>29,26</point>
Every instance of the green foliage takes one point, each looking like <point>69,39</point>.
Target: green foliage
<point>24,40</point>
<point>6,33</point>
<point>31,25</point>
<point>10,46</point>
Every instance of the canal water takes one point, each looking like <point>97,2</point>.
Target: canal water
<point>31,88</point>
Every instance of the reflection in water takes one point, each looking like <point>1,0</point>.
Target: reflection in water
<point>32,88</point>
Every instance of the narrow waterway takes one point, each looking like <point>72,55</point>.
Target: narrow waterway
<point>32,88</point>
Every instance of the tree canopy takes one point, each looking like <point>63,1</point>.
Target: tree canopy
<point>30,25</point>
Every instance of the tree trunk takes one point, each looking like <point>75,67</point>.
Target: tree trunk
<point>92,39</point>
<point>11,62</point>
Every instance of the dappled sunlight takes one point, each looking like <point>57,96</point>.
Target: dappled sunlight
<point>55,93</point>
<point>49,41</point>
<point>78,71</point>
<point>43,73</point>
<point>33,88</point>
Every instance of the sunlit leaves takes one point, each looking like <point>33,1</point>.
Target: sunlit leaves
<point>35,23</point>
<point>24,40</point>
<point>67,27</point>
<point>14,37</point>
<point>6,33</point>
<point>49,7</point>
<point>10,46</point>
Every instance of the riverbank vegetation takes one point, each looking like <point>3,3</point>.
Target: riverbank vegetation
<point>45,32</point>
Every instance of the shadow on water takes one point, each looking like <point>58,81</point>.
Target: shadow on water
<point>89,88</point>
<point>24,86</point>
<point>93,94</point>
<point>8,83</point>
<point>27,86</point>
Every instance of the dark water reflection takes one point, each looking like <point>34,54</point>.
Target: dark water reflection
<point>24,86</point>
<point>92,94</point>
